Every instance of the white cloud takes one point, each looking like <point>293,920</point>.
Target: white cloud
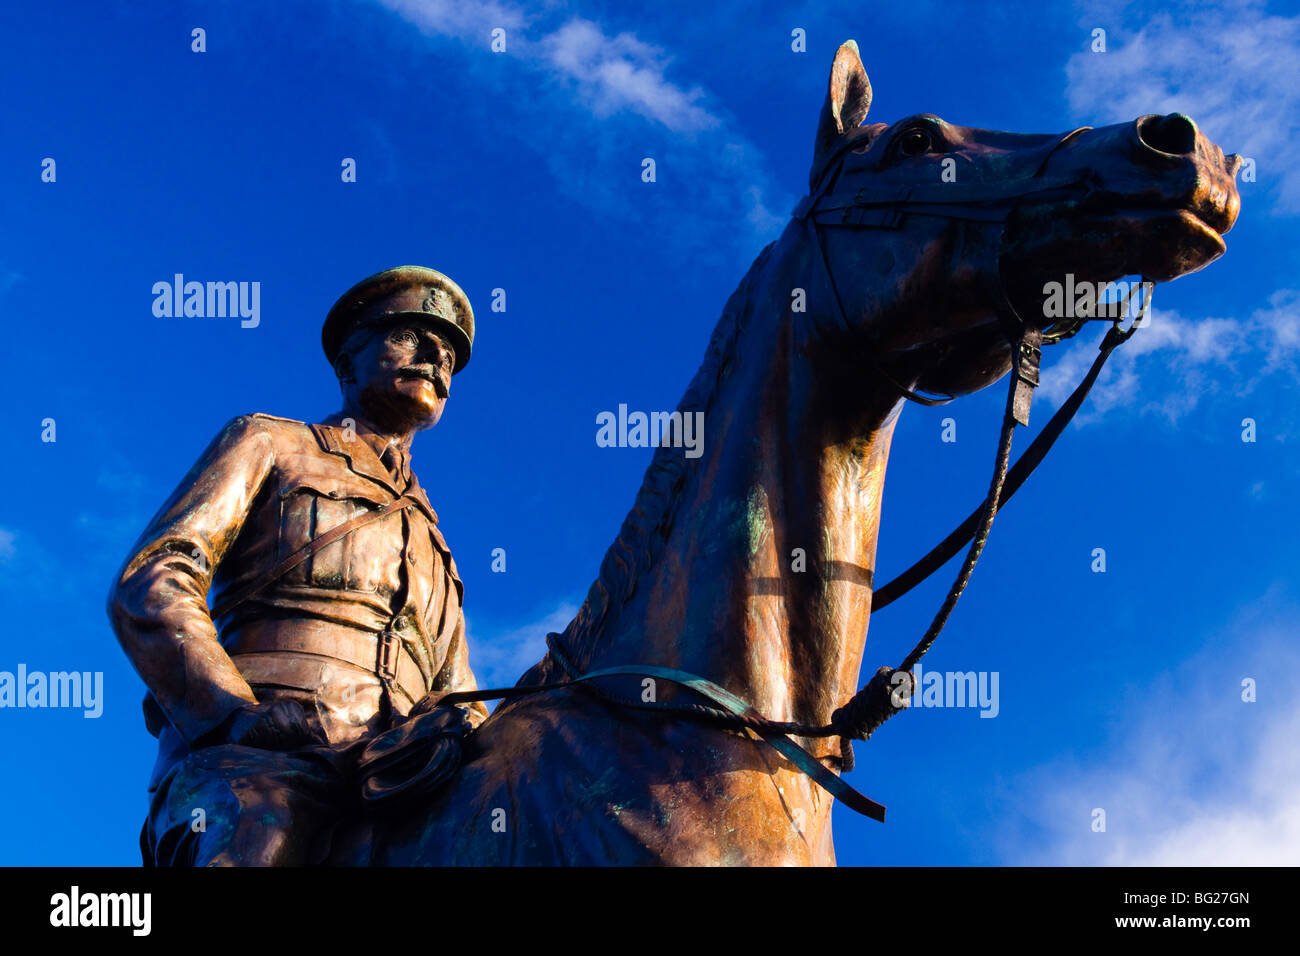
<point>1200,357</point>
<point>499,658</point>
<point>458,18</point>
<point>1192,775</point>
<point>622,72</point>
<point>599,102</point>
<point>1231,66</point>
<point>611,72</point>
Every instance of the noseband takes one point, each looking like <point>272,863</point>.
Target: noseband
<point>884,207</point>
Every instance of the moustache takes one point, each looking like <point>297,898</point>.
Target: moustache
<point>427,373</point>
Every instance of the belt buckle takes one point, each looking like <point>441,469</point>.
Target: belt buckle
<point>387,669</point>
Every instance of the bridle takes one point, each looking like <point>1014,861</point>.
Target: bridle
<point>884,207</point>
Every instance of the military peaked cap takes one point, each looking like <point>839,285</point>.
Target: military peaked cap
<point>405,291</point>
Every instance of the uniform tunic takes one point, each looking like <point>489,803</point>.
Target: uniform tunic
<point>360,632</point>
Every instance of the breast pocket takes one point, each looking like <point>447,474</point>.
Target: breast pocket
<point>311,506</point>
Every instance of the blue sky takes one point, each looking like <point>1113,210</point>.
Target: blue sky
<point>521,171</point>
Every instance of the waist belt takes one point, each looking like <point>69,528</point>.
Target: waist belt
<point>384,655</point>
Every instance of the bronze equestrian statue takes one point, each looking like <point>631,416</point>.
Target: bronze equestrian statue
<point>338,606</point>
<point>735,601</point>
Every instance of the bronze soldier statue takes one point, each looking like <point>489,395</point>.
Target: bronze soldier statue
<point>337,613</point>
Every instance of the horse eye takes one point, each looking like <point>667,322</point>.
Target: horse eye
<point>914,142</point>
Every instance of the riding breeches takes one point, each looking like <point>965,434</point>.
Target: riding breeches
<point>232,805</point>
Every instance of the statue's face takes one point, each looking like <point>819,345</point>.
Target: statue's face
<point>401,376</point>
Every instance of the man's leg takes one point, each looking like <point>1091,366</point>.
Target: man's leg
<point>241,806</point>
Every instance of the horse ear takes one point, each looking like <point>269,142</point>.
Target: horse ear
<point>847,101</point>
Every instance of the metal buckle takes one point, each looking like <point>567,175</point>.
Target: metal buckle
<point>1026,372</point>
<point>387,668</point>
<point>1030,357</point>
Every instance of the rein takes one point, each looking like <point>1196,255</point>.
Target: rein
<point>890,688</point>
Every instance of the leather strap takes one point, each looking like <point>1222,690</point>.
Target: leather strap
<point>879,369</point>
<point>951,200</point>
<point>347,645</point>
<point>229,601</point>
<point>802,759</point>
<point>1037,451</point>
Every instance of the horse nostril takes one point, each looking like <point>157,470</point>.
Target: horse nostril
<point>1175,133</point>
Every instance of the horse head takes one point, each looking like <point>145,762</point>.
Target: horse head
<point>938,237</point>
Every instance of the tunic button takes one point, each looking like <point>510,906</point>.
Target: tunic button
<point>334,494</point>
<point>399,622</point>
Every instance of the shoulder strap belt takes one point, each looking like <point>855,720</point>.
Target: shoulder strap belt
<point>229,601</point>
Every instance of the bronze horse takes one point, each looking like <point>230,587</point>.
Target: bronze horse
<point>801,389</point>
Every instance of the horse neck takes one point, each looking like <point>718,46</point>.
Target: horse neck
<point>752,564</point>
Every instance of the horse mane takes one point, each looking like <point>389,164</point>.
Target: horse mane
<point>647,525</point>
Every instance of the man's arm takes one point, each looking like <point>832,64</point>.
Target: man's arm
<point>158,606</point>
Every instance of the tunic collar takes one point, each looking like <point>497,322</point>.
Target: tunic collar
<point>363,460</point>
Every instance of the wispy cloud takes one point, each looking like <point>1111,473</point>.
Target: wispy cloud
<point>1184,360</point>
<point>610,73</point>
<point>499,658</point>
<point>1232,66</point>
<point>599,102</point>
<point>1193,775</point>
<point>622,72</point>
<point>458,18</point>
